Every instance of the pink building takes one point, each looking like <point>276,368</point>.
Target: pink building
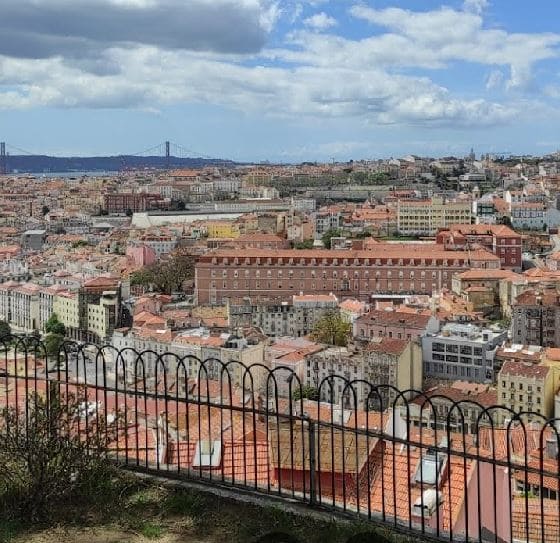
<point>395,323</point>
<point>141,255</point>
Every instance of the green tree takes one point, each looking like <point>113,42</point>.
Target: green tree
<point>331,233</point>
<point>53,342</point>
<point>306,392</point>
<point>129,212</point>
<point>44,210</point>
<point>54,326</point>
<point>167,276</point>
<point>306,244</point>
<point>332,329</point>
<point>360,177</point>
<point>5,329</point>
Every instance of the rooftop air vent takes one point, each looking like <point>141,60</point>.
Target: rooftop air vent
<point>426,504</point>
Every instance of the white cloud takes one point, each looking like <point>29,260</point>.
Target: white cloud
<point>435,38</point>
<point>476,6</point>
<point>320,21</point>
<point>322,75</point>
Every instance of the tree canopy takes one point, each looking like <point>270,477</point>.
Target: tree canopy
<point>331,233</point>
<point>307,392</point>
<point>53,343</point>
<point>332,329</point>
<point>5,329</point>
<point>54,326</point>
<point>166,276</point>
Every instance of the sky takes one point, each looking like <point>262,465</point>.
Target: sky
<point>281,80</point>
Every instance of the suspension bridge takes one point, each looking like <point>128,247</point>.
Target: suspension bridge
<point>165,155</point>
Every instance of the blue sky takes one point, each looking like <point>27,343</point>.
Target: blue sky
<point>280,80</point>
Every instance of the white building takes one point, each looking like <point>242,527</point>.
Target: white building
<point>462,351</point>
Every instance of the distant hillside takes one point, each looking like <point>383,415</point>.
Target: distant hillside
<point>46,164</point>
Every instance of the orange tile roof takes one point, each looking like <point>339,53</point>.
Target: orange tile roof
<point>537,512</point>
<point>386,250</point>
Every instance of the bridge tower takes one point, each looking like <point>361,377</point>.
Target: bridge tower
<point>167,154</point>
<point>3,161</point>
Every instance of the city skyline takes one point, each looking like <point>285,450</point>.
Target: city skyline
<point>283,81</point>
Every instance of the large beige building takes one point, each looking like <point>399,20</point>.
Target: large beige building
<point>383,361</point>
<point>426,217</point>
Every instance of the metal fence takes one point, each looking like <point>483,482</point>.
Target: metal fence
<point>451,471</point>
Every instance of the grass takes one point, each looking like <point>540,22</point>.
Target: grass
<point>139,508</point>
<point>151,530</point>
<point>9,529</point>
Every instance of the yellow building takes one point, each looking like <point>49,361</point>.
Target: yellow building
<point>222,229</point>
<point>426,217</point>
<point>101,317</point>
<point>67,308</point>
<point>526,387</point>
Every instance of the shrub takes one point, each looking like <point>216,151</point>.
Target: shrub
<point>51,456</point>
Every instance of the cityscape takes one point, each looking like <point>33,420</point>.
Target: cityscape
<point>369,329</point>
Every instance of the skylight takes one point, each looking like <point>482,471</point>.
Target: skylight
<point>430,468</point>
<point>208,454</point>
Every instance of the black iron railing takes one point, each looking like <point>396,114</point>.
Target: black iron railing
<point>451,471</point>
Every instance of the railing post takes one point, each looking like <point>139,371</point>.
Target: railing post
<point>312,462</point>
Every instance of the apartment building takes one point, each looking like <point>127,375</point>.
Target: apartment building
<point>462,351</point>
<point>24,307</point>
<point>222,229</point>
<point>485,289</point>
<point>529,216</point>
<point>391,269</point>
<point>161,244</point>
<point>325,221</point>
<point>121,202</point>
<point>426,217</point>
<point>526,387</point>
<point>295,318</point>
<point>499,239</point>
<point>392,364</point>
<point>191,346</point>
<point>384,361</point>
<point>536,318</point>
<point>66,305</point>
<point>394,323</point>
<point>472,399</point>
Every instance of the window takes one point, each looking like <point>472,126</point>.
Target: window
<point>438,347</point>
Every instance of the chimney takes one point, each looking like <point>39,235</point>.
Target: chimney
<point>552,448</point>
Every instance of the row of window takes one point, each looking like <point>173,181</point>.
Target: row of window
<point>343,285</point>
<point>365,275</point>
<point>342,261</point>
<point>454,348</point>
